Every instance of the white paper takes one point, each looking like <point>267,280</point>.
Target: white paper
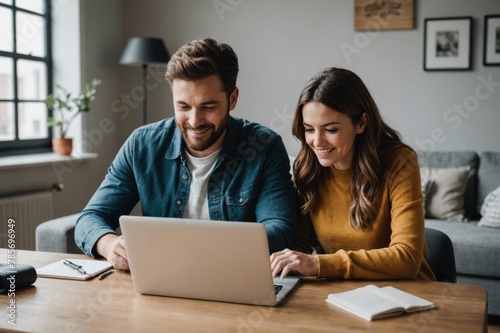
<point>59,270</point>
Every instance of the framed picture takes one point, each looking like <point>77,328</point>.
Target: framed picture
<point>374,15</point>
<point>447,43</point>
<point>491,40</point>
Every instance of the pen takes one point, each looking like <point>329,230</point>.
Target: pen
<point>103,275</point>
<point>74,266</point>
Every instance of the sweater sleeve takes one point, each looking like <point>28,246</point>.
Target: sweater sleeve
<point>405,253</point>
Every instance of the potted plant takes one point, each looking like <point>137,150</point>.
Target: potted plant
<point>69,107</point>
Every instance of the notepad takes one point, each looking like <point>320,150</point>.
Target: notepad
<point>59,270</point>
<point>371,302</point>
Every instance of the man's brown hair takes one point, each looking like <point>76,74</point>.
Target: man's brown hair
<point>201,58</point>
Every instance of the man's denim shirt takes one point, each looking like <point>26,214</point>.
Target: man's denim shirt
<point>250,182</point>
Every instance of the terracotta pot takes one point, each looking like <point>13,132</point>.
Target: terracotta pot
<point>62,146</point>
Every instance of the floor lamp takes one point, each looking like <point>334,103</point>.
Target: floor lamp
<point>141,51</point>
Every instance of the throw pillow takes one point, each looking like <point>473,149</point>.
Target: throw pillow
<point>445,198</point>
<point>490,210</point>
<point>426,187</point>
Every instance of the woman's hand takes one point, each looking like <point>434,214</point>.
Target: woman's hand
<point>288,260</point>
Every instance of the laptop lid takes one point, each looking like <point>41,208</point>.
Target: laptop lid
<point>199,259</point>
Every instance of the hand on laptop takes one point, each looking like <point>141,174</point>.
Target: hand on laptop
<point>287,260</point>
<point>112,247</point>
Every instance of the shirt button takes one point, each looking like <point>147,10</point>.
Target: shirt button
<point>241,200</point>
<point>179,202</point>
<point>184,176</point>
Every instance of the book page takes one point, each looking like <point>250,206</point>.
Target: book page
<point>364,303</point>
<point>409,302</point>
<point>61,271</point>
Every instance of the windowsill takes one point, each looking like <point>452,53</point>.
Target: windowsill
<point>33,160</point>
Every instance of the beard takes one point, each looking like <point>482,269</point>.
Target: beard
<point>201,144</point>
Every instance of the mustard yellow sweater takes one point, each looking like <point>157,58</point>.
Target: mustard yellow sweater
<point>393,247</point>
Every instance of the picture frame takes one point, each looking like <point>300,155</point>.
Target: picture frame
<point>375,15</point>
<point>447,43</point>
<point>491,53</point>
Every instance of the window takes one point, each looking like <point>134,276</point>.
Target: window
<point>25,76</point>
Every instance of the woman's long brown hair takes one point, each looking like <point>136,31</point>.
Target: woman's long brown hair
<point>344,92</point>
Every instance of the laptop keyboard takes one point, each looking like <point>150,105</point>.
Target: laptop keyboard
<point>277,288</point>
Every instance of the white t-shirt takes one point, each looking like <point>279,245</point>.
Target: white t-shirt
<point>200,168</point>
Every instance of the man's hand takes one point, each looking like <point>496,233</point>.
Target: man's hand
<point>112,247</point>
<point>288,260</point>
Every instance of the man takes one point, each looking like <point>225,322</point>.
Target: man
<point>202,164</point>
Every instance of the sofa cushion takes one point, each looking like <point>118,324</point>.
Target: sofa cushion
<point>445,197</point>
<point>490,210</point>
<point>476,249</point>
<point>488,176</point>
<point>448,159</point>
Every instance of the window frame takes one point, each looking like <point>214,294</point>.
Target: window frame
<point>28,146</point>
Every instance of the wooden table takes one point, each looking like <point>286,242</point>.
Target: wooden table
<point>112,305</point>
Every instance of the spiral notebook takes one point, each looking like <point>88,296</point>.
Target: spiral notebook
<point>59,270</point>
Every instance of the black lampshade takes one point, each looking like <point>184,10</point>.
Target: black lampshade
<point>141,51</point>
<point>144,50</point>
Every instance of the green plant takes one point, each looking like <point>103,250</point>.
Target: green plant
<point>68,106</point>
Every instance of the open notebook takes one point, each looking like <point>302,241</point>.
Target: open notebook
<point>61,271</point>
<point>371,302</point>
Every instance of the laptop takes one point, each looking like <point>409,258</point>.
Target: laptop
<point>200,259</point>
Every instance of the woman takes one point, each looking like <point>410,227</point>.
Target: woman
<point>358,186</point>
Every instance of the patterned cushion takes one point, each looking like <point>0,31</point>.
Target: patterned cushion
<point>490,210</point>
<point>426,187</point>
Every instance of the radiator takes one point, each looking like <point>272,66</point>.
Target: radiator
<point>23,213</point>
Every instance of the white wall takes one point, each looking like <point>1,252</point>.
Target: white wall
<point>282,43</point>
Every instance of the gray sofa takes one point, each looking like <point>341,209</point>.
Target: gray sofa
<point>477,248</point>
<point>57,235</point>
